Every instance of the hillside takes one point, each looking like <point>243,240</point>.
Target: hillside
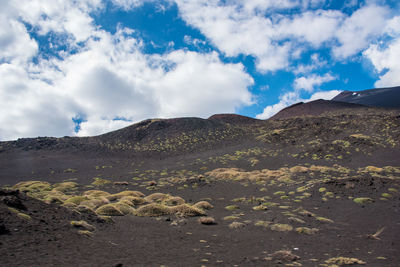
<point>381,97</point>
<point>321,189</point>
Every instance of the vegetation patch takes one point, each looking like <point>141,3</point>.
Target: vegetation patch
<point>153,210</point>
<point>281,227</point>
<point>341,261</point>
<point>236,225</point>
<point>203,205</point>
<point>306,230</point>
<point>109,210</point>
<point>363,200</point>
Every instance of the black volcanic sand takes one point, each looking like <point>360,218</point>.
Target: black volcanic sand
<point>337,159</point>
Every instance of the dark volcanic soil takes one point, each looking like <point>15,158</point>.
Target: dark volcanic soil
<point>291,192</point>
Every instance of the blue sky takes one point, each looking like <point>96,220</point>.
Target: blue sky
<point>91,66</point>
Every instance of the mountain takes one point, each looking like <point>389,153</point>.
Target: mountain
<point>314,108</point>
<point>382,97</point>
<point>310,187</point>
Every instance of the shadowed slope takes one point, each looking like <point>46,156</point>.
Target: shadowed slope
<point>314,108</point>
<point>383,97</point>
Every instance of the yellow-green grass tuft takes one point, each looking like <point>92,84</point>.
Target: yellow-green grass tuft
<point>262,223</point>
<point>232,207</point>
<point>65,186</point>
<point>126,193</point>
<point>132,201</point>
<point>76,199</point>
<point>324,220</point>
<point>231,218</point>
<point>341,261</point>
<point>20,214</point>
<point>32,186</point>
<point>260,207</point>
<point>157,197</point>
<point>236,225</point>
<point>95,193</point>
<point>109,210</point>
<point>125,209</point>
<point>281,227</point>
<point>153,210</point>
<point>362,200</point>
<point>306,230</point>
<point>100,181</point>
<point>95,202</point>
<point>185,210</point>
<point>173,201</point>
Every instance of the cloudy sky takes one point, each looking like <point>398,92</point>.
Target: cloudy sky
<point>85,67</point>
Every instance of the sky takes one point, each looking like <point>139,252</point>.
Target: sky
<point>87,67</point>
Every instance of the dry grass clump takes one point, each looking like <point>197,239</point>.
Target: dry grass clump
<point>324,220</point>
<point>95,203</point>
<point>306,230</point>
<point>126,193</point>
<point>283,255</point>
<point>124,208</point>
<point>95,193</point>
<point>153,210</point>
<point>232,207</point>
<point>204,205</point>
<point>109,210</point>
<point>65,186</point>
<point>207,220</point>
<point>236,225</point>
<point>35,189</point>
<point>185,210</point>
<point>281,227</point>
<point>300,169</point>
<point>20,214</point>
<point>157,197</point>
<point>262,223</point>
<point>82,225</point>
<point>132,201</point>
<point>362,200</point>
<point>230,218</point>
<point>100,181</point>
<point>341,261</point>
<point>373,169</point>
<point>76,199</point>
<point>172,201</point>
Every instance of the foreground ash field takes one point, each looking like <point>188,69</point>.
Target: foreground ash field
<point>317,185</point>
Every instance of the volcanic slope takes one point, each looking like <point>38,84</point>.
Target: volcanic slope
<point>381,97</point>
<point>303,191</point>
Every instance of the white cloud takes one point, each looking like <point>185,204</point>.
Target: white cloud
<point>107,77</point>
<point>15,42</point>
<point>291,98</point>
<point>358,30</point>
<point>276,34</point>
<point>310,82</point>
<point>386,62</point>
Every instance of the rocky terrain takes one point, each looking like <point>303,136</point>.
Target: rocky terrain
<point>317,185</point>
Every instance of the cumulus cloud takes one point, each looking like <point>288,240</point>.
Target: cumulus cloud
<point>108,81</point>
<point>291,98</point>
<point>276,34</point>
<point>357,31</point>
<point>385,61</point>
<point>310,82</point>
